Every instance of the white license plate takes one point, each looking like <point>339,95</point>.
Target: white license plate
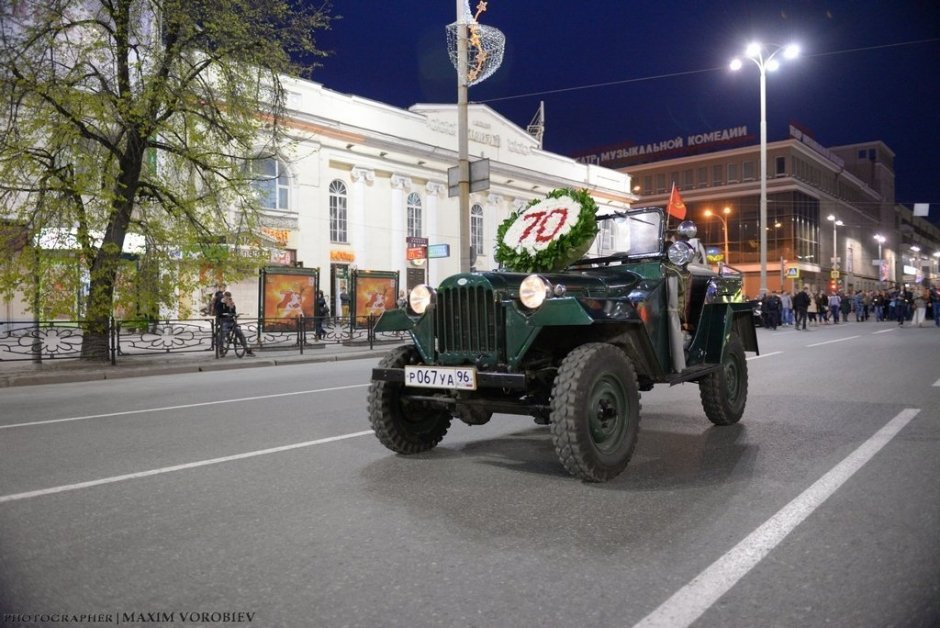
<point>459,377</point>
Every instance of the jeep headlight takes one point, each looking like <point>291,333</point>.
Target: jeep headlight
<point>680,253</point>
<point>533,291</point>
<point>420,298</point>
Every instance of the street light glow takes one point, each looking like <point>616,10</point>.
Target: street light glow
<point>724,224</point>
<point>755,52</point>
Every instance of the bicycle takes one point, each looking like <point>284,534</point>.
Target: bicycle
<point>230,338</point>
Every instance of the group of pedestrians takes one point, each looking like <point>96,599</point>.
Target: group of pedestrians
<point>917,304</point>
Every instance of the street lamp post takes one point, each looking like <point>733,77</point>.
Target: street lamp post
<point>756,53</point>
<point>835,250</point>
<point>724,225</point>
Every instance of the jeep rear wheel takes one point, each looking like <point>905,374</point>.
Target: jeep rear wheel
<point>724,392</point>
<point>595,412</point>
<point>402,425</point>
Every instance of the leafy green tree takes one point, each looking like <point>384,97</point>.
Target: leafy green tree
<point>141,118</point>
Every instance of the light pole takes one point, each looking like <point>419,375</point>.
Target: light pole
<point>756,52</point>
<point>881,240</point>
<point>724,225</point>
<point>835,251</point>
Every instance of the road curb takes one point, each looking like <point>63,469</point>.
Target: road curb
<point>78,375</point>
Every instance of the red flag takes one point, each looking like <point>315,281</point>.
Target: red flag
<point>675,207</point>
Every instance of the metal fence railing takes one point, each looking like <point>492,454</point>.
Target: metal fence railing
<point>40,341</point>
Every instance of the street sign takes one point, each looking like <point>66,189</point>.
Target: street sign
<point>793,272</point>
<point>479,177</point>
<point>438,250</point>
<point>416,241</point>
<point>416,252</point>
<point>833,274</point>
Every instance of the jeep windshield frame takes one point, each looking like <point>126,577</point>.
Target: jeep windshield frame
<point>638,234</point>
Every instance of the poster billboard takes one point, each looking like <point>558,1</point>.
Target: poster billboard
<point>286,295</point>
<point>374,291</point>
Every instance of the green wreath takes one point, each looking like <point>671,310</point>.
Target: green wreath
<point>560,251</point>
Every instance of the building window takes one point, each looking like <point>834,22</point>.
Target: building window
<point>748,171</point>
<point>476,229</point>
<point>732,173</point>
<point>688,179</point>
<point>716,175</point>
<point>781,169</point>
<point>647,184</point>
<point>703,177</point>
<point>270,182</point>
<point>606,237</point>
<point>414,215</point>
<point>660,183</point>
<point>338,211</point>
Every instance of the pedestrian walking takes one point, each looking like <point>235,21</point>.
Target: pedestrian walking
<point>921,298</point>
<point>812,309</point>
<point>900,304</point>
<point>786,308</point>
<point>320,312</point>
<point>935,304</point>
<point>801,304</point>
<point>878,303</point>
<point>835,306</point>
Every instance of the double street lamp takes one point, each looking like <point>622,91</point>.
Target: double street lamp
<point>724,224</point>
<point>765,59</point>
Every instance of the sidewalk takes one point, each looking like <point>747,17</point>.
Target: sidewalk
<point>25,373</point>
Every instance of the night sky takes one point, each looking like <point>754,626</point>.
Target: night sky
<point>615,71</point>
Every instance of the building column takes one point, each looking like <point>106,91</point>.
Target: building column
<point>357,214</point>
<point>401,187</point>
<point>492,218</point>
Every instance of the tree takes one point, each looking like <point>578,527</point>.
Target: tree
<point>141,117</point>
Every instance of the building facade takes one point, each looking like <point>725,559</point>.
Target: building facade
<point>359,177</point>
<point>832,219</point>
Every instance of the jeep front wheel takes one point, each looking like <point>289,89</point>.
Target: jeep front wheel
<point>724,392</point>
<point>403,425</point>
<point>595,412</point>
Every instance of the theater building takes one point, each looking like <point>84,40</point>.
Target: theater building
<point>717,174</point>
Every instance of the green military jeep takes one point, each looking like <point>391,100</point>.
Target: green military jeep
<point>572,348</point>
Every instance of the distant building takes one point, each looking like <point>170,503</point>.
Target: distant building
<point>806,183</point>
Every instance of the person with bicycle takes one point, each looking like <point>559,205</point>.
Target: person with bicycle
<point>229,317</point>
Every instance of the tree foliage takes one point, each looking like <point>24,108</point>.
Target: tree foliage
<point>141,118</point>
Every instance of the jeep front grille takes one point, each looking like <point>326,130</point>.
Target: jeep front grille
<point>468,320</point>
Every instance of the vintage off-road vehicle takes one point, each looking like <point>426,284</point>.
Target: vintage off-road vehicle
<point>573,348</point>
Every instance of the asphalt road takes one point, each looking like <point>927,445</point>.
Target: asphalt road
<point>259,497</point>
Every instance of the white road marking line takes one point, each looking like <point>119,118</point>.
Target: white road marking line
<point>883,331</point>
<point>937,383</point>
<point>691,601</point>
<point>829,342</point>
<point>180,467</point>
<point>763,355</point>
<point>181,407</point>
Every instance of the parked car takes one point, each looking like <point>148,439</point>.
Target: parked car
<point>573,349</point>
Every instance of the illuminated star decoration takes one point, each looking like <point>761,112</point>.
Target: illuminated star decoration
<point>477,43</point>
